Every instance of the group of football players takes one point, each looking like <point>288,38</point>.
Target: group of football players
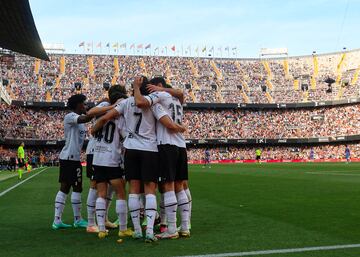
<point>136,140</point>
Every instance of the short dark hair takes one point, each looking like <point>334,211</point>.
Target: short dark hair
<point>143,89</point>
<point>74,100</point>
<point>116,92</point>
<point>157,80</point>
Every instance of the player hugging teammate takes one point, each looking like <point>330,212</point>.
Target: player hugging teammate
<point>137,140</point>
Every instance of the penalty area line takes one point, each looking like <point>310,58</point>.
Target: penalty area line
<point>21,182</point>
<point>277,251</point>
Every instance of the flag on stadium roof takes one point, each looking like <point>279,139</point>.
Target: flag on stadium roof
<point>234,48</point>
<point>132,46</point>
<point>108,45</point>
<point>157,48</point>
<point>82,44</point>
<point>227,48</point>
<point>123,45</point>
<point>173,48</point>
<point>148,46</point>
<point>140,46</point>
<point>197,49</point>
<point>116,45</point>
<point>211,49</point>
<point>99,44</point>
<point>204,49</point>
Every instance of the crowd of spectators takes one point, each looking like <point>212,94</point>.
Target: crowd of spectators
<point>276,153</point>
<point>28,123</point>
<point>46,156</point>
<point>35,156</point>
<point>211,79</point>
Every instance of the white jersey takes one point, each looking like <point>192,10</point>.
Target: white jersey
<point>74,137</point>
<point>174,109</point>
<point>108,150</point>
<point>140,126</point>
<point>92,140</point>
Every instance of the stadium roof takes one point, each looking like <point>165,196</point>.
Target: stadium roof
<point>17,29</point>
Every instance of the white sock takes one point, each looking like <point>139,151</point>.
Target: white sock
<point>150,212</point>
<point>122,212</point>
<point>109,197</point>
<point>134,208</point>
<point>183,204</point>
<point>162,210</point>
<point>60,200</point>
<point>76,205</point>
<point>170,209</point>
<point>187,191</point>
<point>91,201</point>
<point>100,213</point>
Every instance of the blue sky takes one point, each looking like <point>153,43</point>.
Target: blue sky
<point>301,26</point>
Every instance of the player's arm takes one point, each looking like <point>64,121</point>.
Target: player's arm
<point>179,94</point>
<point>97,111</point>
<point>140,100</point>
<point>112,114</point>
<point>172,126</point>
<point>165,119</point>
<point>93,112</point>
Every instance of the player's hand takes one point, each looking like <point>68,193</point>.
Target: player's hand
<point>138,81</point>
<point>152,88</point>
<point>182,129</point>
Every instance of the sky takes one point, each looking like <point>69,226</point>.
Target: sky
<point>301,26</point>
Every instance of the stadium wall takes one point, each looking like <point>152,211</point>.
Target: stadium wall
<point>214,142</point>
<point>218,106</point>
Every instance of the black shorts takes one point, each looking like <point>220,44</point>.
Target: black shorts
<point>105,174</point>
<point>258,157</point>
<point>89,167</point>
<point>141,165</point>
<point>173,163</point>
<point>70,172</point>
<point>21,163</point>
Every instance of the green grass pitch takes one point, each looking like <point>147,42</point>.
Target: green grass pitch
<point>236,208</point>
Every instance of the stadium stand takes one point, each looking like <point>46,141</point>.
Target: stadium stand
<point>205,80</point>
<point>29,123</point>
<point>215,83</point>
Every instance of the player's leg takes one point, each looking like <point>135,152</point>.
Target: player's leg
<point>182,198</point>
<point>109,197</point>
<point>92,196</point>
<point>91,208</point>
<point>188,194</point>
<point>134,206</point>
<point>150,177</point>
<point>60,200</point>
<point>168,155</point>
<point>133,175</point>
<point>20,168</point>
<point>101,187</point>
<point>121,205</point>
<point>163,222</point>
<point>76,171</point>
<point>76,203</point>
<point>65,180</point>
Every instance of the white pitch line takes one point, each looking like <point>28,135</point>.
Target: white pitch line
<point>21,182</point>
<point>291,250</point>
<point>334,174</point>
